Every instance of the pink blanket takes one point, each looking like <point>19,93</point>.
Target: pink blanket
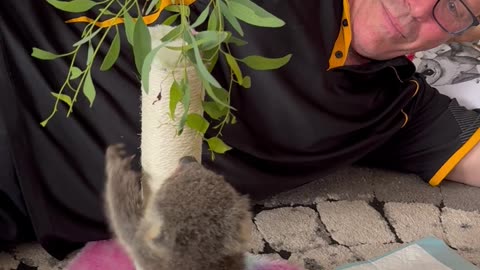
<point>109,255</point>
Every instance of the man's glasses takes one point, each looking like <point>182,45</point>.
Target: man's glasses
<point>454,16</point>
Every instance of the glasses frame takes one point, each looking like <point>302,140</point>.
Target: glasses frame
<point>475,20</point>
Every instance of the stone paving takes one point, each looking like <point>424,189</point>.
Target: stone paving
<point>354,214</point>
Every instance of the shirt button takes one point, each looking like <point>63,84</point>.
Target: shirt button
<point>345,22</point>
<point>338,54</point>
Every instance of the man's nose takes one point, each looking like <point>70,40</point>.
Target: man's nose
<point>422,10</point>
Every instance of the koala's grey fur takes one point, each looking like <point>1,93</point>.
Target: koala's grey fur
<point>196,221</point>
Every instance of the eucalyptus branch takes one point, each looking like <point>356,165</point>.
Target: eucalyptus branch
<point>200,50</point>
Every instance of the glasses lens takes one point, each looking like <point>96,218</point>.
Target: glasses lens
<point>453,15</point>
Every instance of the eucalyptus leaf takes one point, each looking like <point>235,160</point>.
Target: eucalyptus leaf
<point>87,38</point>
<point>141,43</point>
<point>199,63</point>
<point>129,27</point>
<point>170,20</point>
<point>247,82</point>
<point>89,88</point>
<point>75,72</point>
<point>106,12</point>
<point>75,6</point>
<point>147,66</point>
<point>213,62</point>
<point>63,98</point>
<point>112,54</point>
<point>213,110</point>
<point>217,145</point>
<point>90,54</point>
<point>211,93</point>
<point>213,20</point>
<point>202,17</point>
<point>185,102</point>
<point>235,68</point>
<point>234,120</point>
<point>197,122</point>
<point>263,63</point>
<point>176,95</point>
<point>234,40</point>
<point>151,6</point>
<point>251,13</point>
<point>182,9</point>
<point>45,55</point>
<point>173,34</point>
<point>231,18</point>
<point>208,40</point>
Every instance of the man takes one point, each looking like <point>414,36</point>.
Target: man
<point>348,96</point>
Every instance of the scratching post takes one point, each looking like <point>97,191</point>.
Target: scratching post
<point>161,147</point>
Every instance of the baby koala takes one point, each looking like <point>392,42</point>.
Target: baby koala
<point>195,221</point>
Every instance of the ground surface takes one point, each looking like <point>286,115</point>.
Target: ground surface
<point>354,214</point>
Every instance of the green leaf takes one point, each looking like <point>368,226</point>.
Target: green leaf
<point>176,95</point>
<point>63,98</point>
<point>173,34</point>
<point>89,89</point>
<point>219,95</point>
<point>112,54</point>
<point>73,6</point>
<point>213,62</point>
<point>213,110</point>
<point>236,41</point>
<point>90,53</point>
<point>75,72</point>
<point>141,43</point>
<point>185,102</point>
<point>231,18</point>
<point>208,40</point>
<point>217,145</point>
<point>199,63</point>
<point>253,14</point>
<point>87,38</point>
<point>178,8</point>
<point>129,27</point>
<point>247,82</point>
<point>213,20</point>
<point>234,120</point>
<point>44,55</point>
<point>197,122</point>
<point>147,66</point>
<point>107,12</point>
<point>152,5</point>
<point>235,68</point>
<point>171,19</point>
<point>202,17</point>
<point>263,63</point>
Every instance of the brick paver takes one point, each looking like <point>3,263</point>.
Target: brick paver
<point>354,223</point>
<point>462,228</point>
<point>290,229</point>
<point>414,221</point>
<point>327,257</point>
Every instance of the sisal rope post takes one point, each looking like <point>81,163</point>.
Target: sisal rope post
<point>161,147</point>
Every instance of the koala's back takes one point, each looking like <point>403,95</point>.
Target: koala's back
<point>208,219</point>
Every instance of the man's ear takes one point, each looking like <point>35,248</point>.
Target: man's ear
<point>471,35</point>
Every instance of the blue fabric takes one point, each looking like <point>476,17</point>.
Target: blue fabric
<point>433,246</point>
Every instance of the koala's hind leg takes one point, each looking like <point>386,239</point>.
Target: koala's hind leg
<point>123,194</point>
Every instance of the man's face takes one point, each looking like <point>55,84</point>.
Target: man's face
<point>383,29</point>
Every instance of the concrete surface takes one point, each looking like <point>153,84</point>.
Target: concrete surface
<point>354,214</point>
